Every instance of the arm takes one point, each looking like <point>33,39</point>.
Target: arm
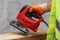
<point>41,9</point>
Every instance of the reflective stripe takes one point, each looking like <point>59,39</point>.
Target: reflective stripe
<point>57,24</point>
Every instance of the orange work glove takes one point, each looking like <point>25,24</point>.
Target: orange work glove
<point>41,9</point>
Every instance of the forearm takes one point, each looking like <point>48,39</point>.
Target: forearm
<point>41,8</point>
<point>46,7</point>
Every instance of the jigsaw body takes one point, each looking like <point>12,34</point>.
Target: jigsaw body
<point>26,21</point>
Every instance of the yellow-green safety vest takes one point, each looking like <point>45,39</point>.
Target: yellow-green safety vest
<point>54,22</point>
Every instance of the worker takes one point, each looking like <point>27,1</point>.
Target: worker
<point>54,22</point>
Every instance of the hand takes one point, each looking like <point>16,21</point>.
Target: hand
<point>37,8</point>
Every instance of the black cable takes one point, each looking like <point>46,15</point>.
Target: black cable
<point>45,23</point>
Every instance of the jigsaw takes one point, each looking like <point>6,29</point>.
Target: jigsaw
<point>27,20</point>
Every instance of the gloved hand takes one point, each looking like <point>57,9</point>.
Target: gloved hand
<point>41,9</point>
<point>37,8</point>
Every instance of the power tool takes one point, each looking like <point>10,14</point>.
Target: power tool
<point>27,20</point>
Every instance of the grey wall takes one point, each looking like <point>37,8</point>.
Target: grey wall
<point>9,10</point>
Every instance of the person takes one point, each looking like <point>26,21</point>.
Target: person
<point>54,22</point>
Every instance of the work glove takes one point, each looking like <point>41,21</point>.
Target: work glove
<point>41,9</point>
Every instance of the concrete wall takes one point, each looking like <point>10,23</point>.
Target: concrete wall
<point>9,10</point>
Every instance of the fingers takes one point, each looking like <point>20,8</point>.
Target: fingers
<point>37,8</point>
<point>33,8</point>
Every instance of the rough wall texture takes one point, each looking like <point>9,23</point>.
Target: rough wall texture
<point>9,10</point>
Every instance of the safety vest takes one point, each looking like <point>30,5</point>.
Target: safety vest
<point>54,22</point>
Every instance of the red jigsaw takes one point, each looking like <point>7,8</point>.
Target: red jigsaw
<point>25,20</point>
